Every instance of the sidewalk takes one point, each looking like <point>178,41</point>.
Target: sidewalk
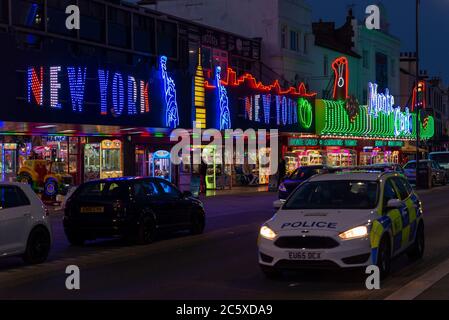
<point>438,291</point>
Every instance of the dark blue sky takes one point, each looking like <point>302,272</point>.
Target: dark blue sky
<point>434,33</point>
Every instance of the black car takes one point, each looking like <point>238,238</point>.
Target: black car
<point>301,174</point>
<point>133,208</point>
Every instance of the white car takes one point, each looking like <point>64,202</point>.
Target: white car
<point>343,220</point>
<point>25,229</point>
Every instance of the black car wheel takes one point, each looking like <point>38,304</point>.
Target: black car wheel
<point>384,258</point>
<point>38,246</point>
<point>75,239</point>
<point>146,231</point>
<point>198,223</point>
<point>416,251</point>
<point>270,272</point>
<point>25,178</point>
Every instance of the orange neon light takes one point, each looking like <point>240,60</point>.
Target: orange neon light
<point>233,81</point>
<point>341,72</point>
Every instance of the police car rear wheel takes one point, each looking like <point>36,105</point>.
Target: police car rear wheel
<point>270,272</point>
<point>417,249</point>
<point>384,258</point>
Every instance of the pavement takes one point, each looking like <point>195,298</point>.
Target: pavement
<point>222,263</point>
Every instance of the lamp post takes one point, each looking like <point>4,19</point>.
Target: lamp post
<point>418,111</point>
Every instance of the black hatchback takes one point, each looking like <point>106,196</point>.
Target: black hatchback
<point>134,208</point>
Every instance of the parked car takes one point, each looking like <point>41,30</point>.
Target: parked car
<point>25,229</point>
<point>384,167</point>
<point>430,171</point>
<point>50,176</point>
<point>442,158</point>
<point>301,174</point>
<point>134,208</point>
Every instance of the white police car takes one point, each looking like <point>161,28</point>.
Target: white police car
<point>347,219</point>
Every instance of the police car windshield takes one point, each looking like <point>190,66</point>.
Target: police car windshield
<point>334,195</point>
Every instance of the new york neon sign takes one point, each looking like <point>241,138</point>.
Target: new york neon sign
<point>124,91</point>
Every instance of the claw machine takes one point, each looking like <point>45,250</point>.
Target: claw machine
<point>91,161</point>
<point>213,168</point>
<point>8,161</point>
<point>160,165</point>
<point>111,159</point>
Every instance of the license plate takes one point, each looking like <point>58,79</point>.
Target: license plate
<point>304,255</point>
<point>92,209</point>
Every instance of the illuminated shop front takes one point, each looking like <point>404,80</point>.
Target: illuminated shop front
<point>90,120</point>
<point>225,101</point>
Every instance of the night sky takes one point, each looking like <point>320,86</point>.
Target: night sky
<point>434,24</point>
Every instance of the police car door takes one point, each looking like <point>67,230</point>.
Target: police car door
<point>408,212</point>
<point>390,192</point>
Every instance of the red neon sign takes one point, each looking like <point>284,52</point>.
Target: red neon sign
<point>341,81</point>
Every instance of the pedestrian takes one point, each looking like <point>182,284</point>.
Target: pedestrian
<point>203,173</point>
<point>281,170</point>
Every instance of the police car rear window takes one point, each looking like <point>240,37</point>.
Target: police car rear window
<point>334,195</point>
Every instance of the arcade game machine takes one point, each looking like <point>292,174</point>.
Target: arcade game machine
<point>8,161</point>
<point>161,165</point>
<point>213,169</point>
<point>111,159</point>
<point>91,161</point>
<point>264,169</point>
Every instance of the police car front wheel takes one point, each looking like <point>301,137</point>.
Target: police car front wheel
<point>384,258</point>
<point>417,249</point>
<point>270,272</point>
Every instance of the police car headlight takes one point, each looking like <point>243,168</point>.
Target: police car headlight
<point>267,233</point>
<point>354,233</point>
<point>282,188</point>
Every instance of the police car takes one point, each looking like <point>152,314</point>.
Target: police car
<point>344,220</point>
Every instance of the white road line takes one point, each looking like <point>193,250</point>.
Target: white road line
<point>416,287</point>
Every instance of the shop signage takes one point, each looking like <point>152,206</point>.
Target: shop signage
<point>388,143</point>
<point>301,142</point>
<point>333,119</point>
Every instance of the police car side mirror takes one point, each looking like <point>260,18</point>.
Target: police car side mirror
<point>394,204</point>
<point>278,204</point>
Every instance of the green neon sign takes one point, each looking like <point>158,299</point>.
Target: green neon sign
<point>332,119</point>
<point>300,142</point>
<point>389,143</point>
<point>305,113</point>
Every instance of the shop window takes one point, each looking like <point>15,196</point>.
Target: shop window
<point>119,31</point>
<point>144,34</point>
<point>92,20</point>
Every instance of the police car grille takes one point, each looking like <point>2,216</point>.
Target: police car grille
<point>306,242</point>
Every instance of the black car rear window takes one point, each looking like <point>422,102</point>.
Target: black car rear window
<point>106,190</point>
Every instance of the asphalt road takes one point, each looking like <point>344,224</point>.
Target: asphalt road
<point>220,264</point>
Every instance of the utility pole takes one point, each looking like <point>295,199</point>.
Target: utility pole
<point>418,111</point>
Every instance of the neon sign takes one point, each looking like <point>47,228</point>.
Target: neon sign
<point>379,102</point>
<point>223,102</point>
<point>333,120</point>
<point>112,88</point>
<point>171,105</point>
<point>341,81</point>
<point>305,113</point>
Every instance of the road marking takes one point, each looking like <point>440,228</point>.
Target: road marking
<point>416,287</point>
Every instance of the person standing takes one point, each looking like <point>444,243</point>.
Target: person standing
<point>203,173</point>
<point>281,170</point>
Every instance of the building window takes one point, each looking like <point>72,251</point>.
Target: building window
<point>305,43</point>
<point>325,66</point>
<point>393,67</point>
<point>294,40</point>
<point>365,59</point>
<point>381,71</point>
<point>284,37</point>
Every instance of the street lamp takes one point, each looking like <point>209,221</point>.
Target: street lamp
<point>418,111</point>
